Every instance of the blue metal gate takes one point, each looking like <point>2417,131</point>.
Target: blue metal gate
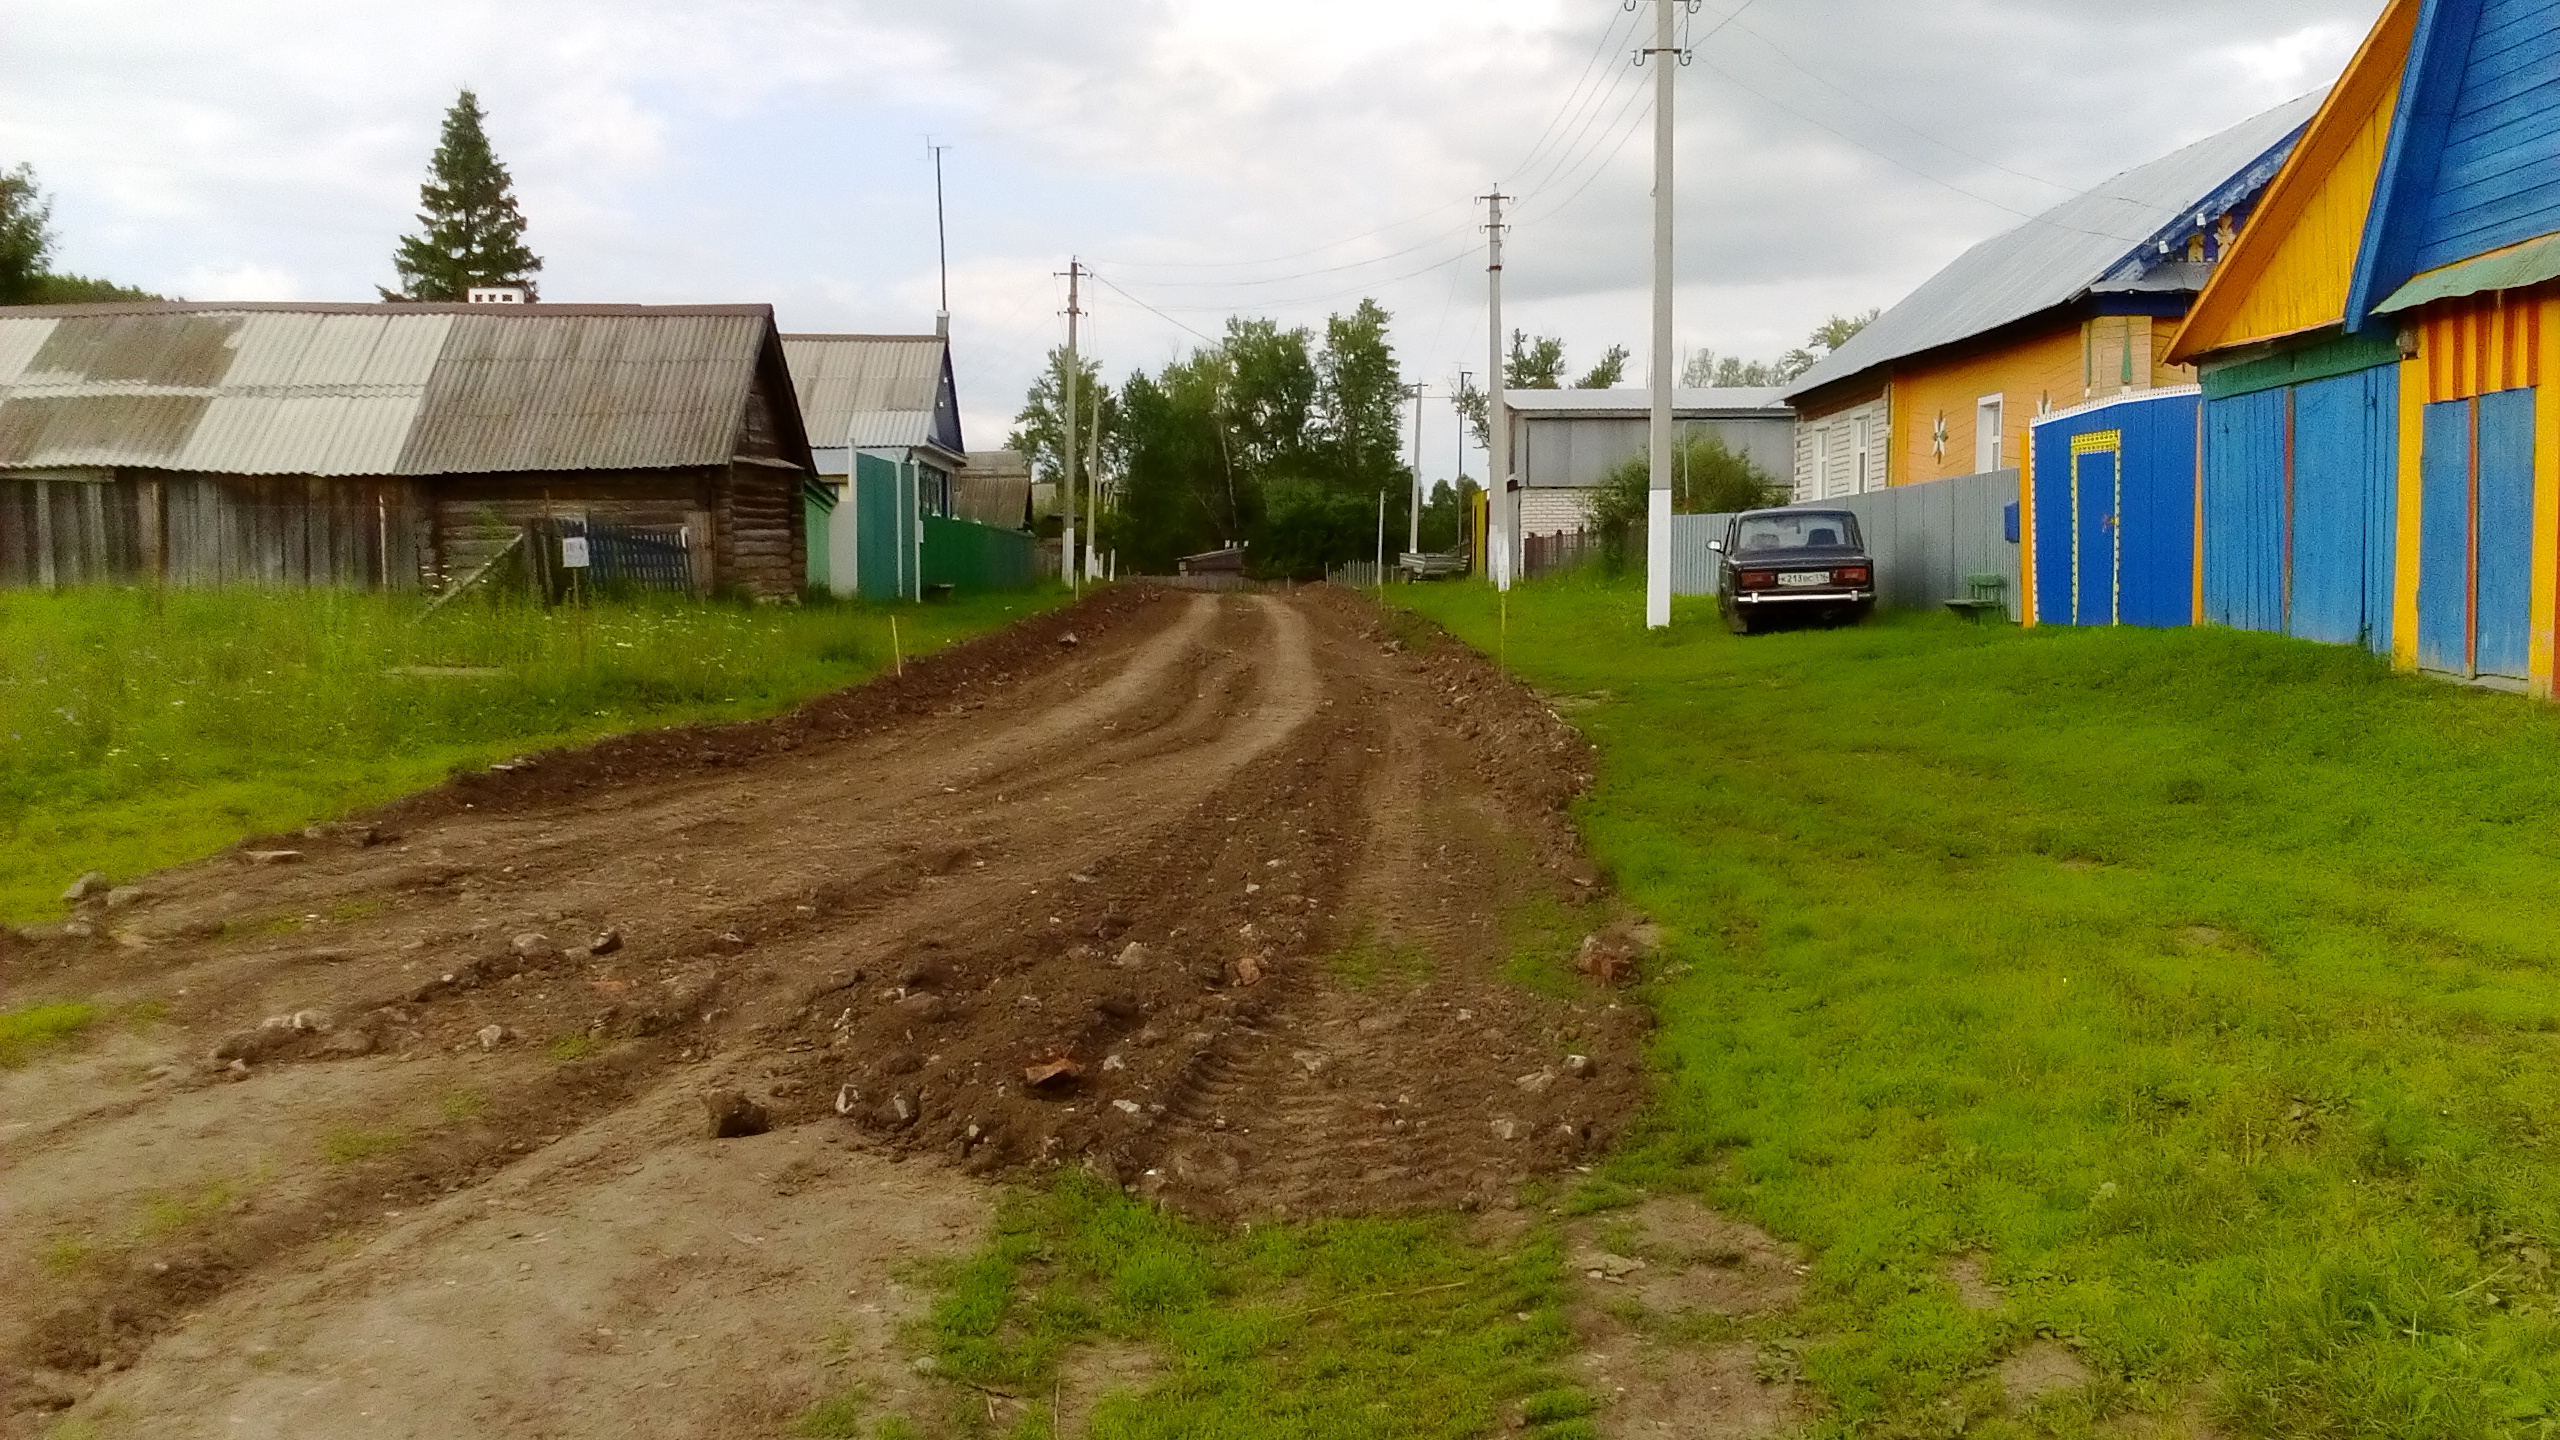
<point>2475,536</point>
<point>2115,493</point>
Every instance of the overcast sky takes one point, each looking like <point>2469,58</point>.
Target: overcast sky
<point>1206,156</point>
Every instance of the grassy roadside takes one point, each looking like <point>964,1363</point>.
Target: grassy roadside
<point>139,731</point>
<point>1387,1328</point>
<point>2201,982</point>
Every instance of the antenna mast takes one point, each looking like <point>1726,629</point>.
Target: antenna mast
<point>941,241</point>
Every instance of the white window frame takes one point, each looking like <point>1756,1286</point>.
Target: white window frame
<point>1859,451</point>
<point>1988,439</point>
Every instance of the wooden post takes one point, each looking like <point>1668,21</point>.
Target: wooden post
<point>44,534</point>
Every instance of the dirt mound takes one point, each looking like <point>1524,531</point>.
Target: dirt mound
<point>1218,900</point>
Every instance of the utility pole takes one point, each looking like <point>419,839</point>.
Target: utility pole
<point>941,242</point>
<point>1657,533</point>
<point>1067,411</point>
<point>1382,540</point>
<point>1093,494</point>
<point>1413,515</point>
<point>1501,520</point>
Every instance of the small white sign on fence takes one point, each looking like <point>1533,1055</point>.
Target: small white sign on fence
<point>573,552</point>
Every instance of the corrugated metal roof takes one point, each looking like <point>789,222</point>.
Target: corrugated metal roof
<point>2063,253</point>
<point>533,392</point>
<point>374,389</point>
<point>2513,268</point>
<point>1696,404</point>
<point>867,391</point>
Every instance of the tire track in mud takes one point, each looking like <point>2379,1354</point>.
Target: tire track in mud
<point>1157,853</point>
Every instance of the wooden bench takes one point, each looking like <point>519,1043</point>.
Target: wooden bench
<point>1988,599</point>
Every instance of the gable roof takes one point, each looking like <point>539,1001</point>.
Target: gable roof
<point>388,389</point>
<point>2474,164</point>
<point>877,391</point>
<point>2116,237</point>
<point>2290,271</point>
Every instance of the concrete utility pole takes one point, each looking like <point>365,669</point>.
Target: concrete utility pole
<point>1502,519</point>
<point>1413,515</point>
<point>1067,450</point>
<point>1093,494</point>
<point>1657,533</point>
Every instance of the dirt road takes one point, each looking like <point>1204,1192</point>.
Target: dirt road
<point>403,1130</point>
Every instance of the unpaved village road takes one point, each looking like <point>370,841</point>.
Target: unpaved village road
<point>381,1141</point>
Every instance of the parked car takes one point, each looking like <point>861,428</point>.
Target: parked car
<point>1794,564</point>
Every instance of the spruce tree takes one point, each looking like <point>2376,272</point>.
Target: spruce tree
<point>472,233</point>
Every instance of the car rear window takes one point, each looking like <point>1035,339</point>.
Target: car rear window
<point>1796,530</point>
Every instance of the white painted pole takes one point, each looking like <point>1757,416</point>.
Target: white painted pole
<point>1500,518</point>
<point>1067,449</point>
<point>1413,513</point>
<point>1381,577</point>
<point>1657,535</point>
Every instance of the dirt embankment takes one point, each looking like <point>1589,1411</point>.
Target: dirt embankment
<point>1210,894</point>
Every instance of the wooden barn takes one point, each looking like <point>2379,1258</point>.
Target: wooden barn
<point>2075,306</point>
<point>393,446</point>
<point>2378,467</point>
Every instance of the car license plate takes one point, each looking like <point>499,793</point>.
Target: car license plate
<point>1804,577</point>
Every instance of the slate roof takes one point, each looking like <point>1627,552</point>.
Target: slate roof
<point>390,389</point>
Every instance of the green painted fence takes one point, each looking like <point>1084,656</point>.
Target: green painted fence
<point>968,556</point>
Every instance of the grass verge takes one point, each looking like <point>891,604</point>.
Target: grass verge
<point>25,1031</point>
<point>1384,1328</point>
<point>2201,981</point>
<point>141,730</point>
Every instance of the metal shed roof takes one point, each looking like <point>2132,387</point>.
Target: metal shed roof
<point>375,389</point>
<point>1729,402</point>
<point>2072,248</point>
<point>868,391</point>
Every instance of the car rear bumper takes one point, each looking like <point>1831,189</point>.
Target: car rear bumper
<point>1803,597</point>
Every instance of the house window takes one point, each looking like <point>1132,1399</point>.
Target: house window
<point>1858,448</point>
<point>1986,434</point>
<point>1821,486</point>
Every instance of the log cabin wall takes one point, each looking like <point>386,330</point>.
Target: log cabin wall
<point>473,517</point>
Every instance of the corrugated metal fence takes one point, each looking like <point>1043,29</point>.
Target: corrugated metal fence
<point>968,556</point>
<point>1926,539</point>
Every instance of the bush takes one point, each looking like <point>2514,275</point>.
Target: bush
<point>1708,478</point>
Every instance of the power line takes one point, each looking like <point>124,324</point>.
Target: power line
<point>1143,305</point>
<point>1608,34</point>
<point>1294,255</point>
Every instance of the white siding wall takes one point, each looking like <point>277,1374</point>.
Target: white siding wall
<point>1841,453</point>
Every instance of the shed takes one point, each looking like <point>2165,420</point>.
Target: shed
<point>2378,466</point>
<point>2076,305</point>
<point>2114,512</point>
<point>391,446</point>
<point>884,420</point>
<point>995,489</point>
<point>1565,442</point>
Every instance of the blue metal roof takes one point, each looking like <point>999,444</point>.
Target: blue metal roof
<point>2111,234</point>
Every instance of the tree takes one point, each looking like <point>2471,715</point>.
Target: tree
<point>1609,373</point>
<point>1708,478</point>
<point>1827,337</point>
<point>471,232</point>
<point>26,249</point>
<point>1362,395</point>
<point>26,235</point>
<point>1040,430</point>
<point>1535,364</point>
<point>1708,370</point>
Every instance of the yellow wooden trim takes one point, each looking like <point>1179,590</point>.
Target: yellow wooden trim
<point>2546,505</point>
<point>2096,441</point>
<point>2371,78</point>
<point>2027,535</point>
<point>2404,582</point>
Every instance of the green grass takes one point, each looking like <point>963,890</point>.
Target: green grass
<point>25,1031</point>
<point>347,1146</point>
<point>1375,1328</point>
<point>2203,981</point>
<point>139,731</point>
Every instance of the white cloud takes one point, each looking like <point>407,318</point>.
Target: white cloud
<point>1834,152</point>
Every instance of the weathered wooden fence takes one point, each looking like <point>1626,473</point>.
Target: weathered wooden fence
<point>204,531</point>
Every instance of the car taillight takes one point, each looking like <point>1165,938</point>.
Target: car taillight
<point>1850,575</point>
<point>1759,579</point>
